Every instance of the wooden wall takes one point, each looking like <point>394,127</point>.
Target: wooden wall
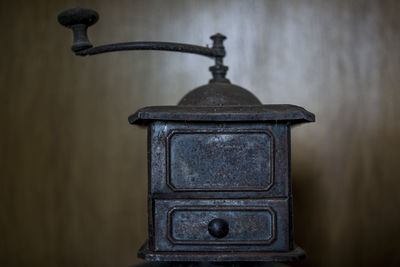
<point>73,171</point>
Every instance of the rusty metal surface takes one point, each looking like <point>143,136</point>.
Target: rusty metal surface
<point>239,257</point>
<point>213,160</point>
<point>260,113</point>
<point>193,182</point>
<point>172,173</point>
<point>210,264</point>
<point>256,207</point>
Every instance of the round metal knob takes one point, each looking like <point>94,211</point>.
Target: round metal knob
<point>218,228</point>
<point>78,20</point>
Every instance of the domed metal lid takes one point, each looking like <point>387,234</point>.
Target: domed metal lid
<point>221,101</point>
<point>219,94</point>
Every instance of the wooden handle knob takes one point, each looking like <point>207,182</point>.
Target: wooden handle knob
<point>78,20</point>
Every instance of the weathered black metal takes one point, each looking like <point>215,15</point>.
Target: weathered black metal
<point>79,19</point>
<point>162,46</point>
<point>218,162</point>
<point>219,94</point>
<point>223,113</point>
<point>210,264</point>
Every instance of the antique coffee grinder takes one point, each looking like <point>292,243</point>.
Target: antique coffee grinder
<point>218,164</point>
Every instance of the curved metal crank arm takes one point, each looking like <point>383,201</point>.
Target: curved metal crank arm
<point>162,46</point>
<point>79,19</point>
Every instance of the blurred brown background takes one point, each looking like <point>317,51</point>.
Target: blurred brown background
<point>73,171</point>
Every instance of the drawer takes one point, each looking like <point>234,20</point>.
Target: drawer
<point>201,225</point>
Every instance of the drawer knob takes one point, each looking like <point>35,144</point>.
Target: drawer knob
<point>218,228</point>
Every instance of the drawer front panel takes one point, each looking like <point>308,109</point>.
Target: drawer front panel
<point>211,160</point>
<point>189,225</point>
<point>250,224</point>
<point>219,160</point>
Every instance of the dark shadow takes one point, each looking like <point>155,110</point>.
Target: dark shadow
<point>307,202</point>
